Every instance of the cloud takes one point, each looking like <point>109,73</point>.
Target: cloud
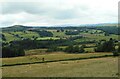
<point>17,7</point>
<point>58,12</point>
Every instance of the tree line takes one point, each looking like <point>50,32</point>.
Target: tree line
<point>16,48</point>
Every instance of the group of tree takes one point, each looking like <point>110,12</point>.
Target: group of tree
<point>36,44</point>
<point>72,32</point>
<point>75,49</point>
<point>44,33</point>
<point>12,51</point>
<point>109,29</point>
<point>106,46</point>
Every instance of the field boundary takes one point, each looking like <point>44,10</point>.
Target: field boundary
<point>70,59</point>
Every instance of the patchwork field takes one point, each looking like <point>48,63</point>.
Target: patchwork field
<point>10,36</point>
<point>60,51</point>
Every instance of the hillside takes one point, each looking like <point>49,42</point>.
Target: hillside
<point>15,28</point>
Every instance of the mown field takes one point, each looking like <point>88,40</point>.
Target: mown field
<point>98,67</point>
<point>57,56</point>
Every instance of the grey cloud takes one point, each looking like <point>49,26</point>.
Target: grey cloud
<point>52,12</point>
<point>6,23</point>
<point>66,14</point>
<point>41,9</point>
<point>17,7</point>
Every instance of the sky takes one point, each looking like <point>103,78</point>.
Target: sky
<point>57,12</point>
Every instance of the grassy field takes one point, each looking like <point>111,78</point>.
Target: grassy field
<point>10,37</point>
<point>99,37</point>
<point>59,34</point>
<point>98,67</point>
<point>45,38</point>
<point>89,49</point>
<point>35,51</point>
<point>49,57</point>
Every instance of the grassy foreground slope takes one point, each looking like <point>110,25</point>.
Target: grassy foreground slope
<point>100,67</point>
<point>49,58</point>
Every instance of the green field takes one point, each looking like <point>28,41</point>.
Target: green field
<point>100,67</point>
<point>35,51</point>
<point>45,38</point>
<point>99,37</point>
<point>10,37</point>
<point>89,49</point>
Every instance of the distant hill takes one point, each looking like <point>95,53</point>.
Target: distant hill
<point>101,24</point>
<point>22,28</point>
<point>16,28</point>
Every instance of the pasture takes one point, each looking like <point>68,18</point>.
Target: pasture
<point>99,67</point>
<point>57,56</point>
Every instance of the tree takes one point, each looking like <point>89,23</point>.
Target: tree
<point>107,34</point>
<point>107,46</point>
<point>58,30</point>
<point>62,30</point>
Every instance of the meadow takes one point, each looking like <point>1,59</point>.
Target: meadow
<point>52,57</point>
<point>100,67</point>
